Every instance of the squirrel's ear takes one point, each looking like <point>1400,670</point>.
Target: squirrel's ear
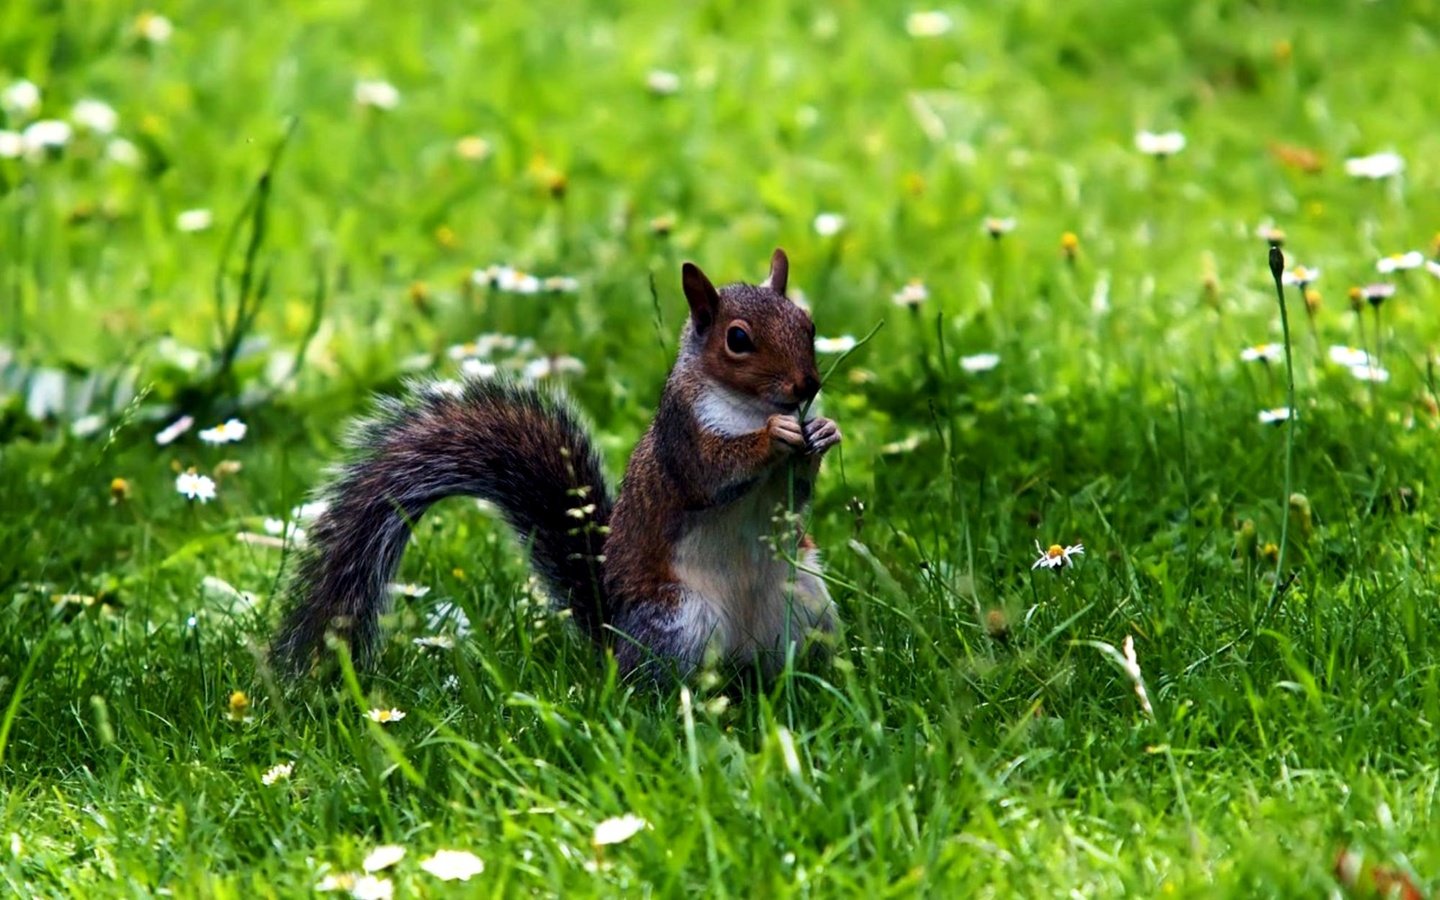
<point>704,300</point>
<point>779,272</point>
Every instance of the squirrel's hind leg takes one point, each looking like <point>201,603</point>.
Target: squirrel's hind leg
<point>668,635</point>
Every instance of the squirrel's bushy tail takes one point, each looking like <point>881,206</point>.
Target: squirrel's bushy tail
<point>522,449</point>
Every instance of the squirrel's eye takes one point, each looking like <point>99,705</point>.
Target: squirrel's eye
<point>738,340</point>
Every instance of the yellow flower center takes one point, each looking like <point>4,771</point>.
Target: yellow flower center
<point>1055,550</point>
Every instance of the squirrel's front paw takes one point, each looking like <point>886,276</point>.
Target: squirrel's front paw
<point>820,435</point>
<point>786,434</point>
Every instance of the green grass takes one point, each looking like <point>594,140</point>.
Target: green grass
<point>969,738</point>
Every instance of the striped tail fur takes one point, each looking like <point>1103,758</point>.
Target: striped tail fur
<point>522,449</point>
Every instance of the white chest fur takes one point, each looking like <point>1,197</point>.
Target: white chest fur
<point>742,597</point>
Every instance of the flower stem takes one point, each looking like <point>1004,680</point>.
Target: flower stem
<point>1277,268</point>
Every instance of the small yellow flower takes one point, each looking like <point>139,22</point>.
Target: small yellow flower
<point>1312,301</point>
<point>238,709</point>
<point>1070,245</point>
<point>661,226</point>
<point>445,236</point>
<point>119,490</point>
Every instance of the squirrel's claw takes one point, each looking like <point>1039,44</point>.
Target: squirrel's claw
<point>820,435</point>
<point>786,433</point>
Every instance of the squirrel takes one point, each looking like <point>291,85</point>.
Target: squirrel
<point>680,565</point>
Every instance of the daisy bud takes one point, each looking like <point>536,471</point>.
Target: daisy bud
<point>997,626</point>
<point>1357,299</point>
<point>1302,517</point>
<point>119,490</point>
<point>1245,541</point>
<point>1312,301</point>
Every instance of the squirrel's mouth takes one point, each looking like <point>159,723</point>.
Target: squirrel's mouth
<point>786,406</point>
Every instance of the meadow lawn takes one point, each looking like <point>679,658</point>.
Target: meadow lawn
<point>276,209</point>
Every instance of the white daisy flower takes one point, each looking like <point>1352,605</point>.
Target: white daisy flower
<point>95,115</point>
<point>560,284</point>
<point>928,24</point>
<point>472,148</point>
<point>1433,267</point>
<point>228,432</point>
<point>980,362</point>
<point>409,589</point>
<point>289,531</point>
<point>12,144</point>
<point>1274,416</point>
<point>453,865</point>
<point>1349,356</point>
<point>383,857</point>
<point>618,829</point>
<point>1376,374</point>
<point>372,887</point>
<point>997,227</point>
<point>1377,165</point>
<point>1056,556</point>
<point>277,772</point>
<point>662,82</point>
<point>122,152</point>
<point>385,716</point>
<point>195,487</point>
<point>307,511</point>
<point>171,432</point>
<point>336,881</point>
<point>546,366</point>
<point>45,136</point>
<point>1263,353</point>
<point>517,282</point>
<point>193,220</point>
<point>1399,262</point>
<point>1299,276</point>
<point>377,94</point>
<point>912,294</point>
<point>479,368</point>
<point>842,344</point>
<point>20,99</point>
<point>154,28</point>
<point>434,642</point>
<point>829,224</point>
<point>1164,143</point>
<point>1375,293</point>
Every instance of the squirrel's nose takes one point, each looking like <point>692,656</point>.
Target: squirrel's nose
<point>807,388</point>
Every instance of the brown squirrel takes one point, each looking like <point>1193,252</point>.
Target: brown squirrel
<point>679,565</point>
